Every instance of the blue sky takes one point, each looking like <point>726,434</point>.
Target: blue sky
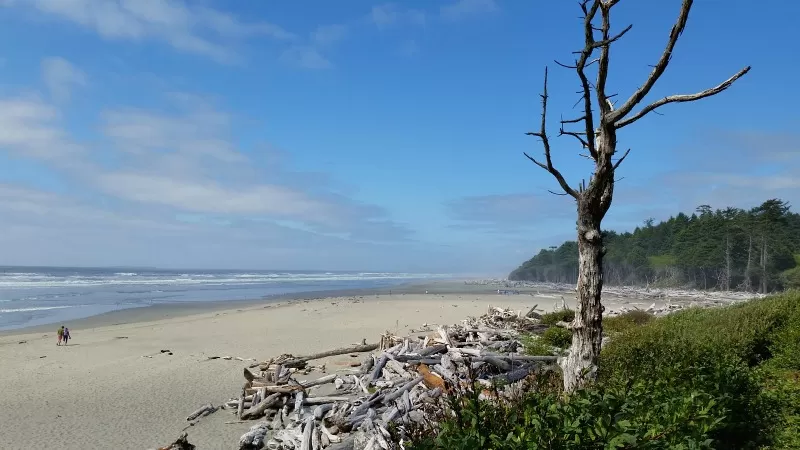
<point>361,134</point>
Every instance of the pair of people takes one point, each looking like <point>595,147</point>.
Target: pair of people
<point>63,335</point>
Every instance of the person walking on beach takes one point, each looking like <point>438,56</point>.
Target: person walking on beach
<point>66,335</point>
<point>60,333</point>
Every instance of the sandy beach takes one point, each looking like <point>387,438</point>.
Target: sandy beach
<point>112,387</point>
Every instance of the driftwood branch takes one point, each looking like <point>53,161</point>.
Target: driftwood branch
<point>683,98</point>
<point>301,360</point>
<point>542,134</point>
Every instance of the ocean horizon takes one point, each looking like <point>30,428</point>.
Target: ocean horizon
<point>32,296</point>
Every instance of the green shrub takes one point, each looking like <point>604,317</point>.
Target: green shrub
<point>646,415</point>
<point>725,378</point>
<point>557,337</point>
<point>622,322</point>
<point>563,315</point>
<point>535,346</point>
<point>718,351</point>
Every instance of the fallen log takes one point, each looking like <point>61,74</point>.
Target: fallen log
<point>181,443</point>
<point>206,409</point>
<point>301,360</point>
<point>258,410</point>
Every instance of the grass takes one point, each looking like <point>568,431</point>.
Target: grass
<point>626,321</point>
<point>564,315</point>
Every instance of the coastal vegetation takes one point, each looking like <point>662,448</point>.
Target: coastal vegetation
<point>726,249</point>
<point>721,378</point>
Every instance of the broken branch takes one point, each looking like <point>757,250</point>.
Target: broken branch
<point>683,98</point>
<point>542,134</point>
<point>659,68</point>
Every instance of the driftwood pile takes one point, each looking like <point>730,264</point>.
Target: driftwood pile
<point>353,409</point>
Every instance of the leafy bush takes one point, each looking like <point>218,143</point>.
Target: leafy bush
<point>564,315</point>
<point>726,378</point>
<point>720,351</point>
<point>622,322</point>
<point>535,345</point>
<point>646,415</point>
<point>557,337</point>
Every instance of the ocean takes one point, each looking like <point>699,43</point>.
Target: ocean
<point>31,296</point>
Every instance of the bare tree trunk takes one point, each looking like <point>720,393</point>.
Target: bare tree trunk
<point>728,263</point>
<point>748,271</point>
<point>764,265</point>
<point>587,328</point>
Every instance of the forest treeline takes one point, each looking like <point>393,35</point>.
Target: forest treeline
<point>726,249</point>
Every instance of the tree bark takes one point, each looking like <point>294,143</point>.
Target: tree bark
<point>748,281</point>
<point>580,365</point>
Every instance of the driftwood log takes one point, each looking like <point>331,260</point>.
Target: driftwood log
<point>354,407</point>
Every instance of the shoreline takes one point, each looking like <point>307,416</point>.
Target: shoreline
<point>150,313</point>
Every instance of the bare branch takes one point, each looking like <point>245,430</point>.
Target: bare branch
<point>609,40</point>
<point>556,193</point>
<point>542,134</point>
<point>589,47</point>
<point>576,135</point>
<point>602,72</point>
<point>579,119</point>
<point>566,66</point>
<point>660,67</point>
<point>621,159</point>
<point>682,98</point>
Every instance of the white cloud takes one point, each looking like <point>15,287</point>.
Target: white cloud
<point>306,57</point>
<point>60,76</point>
<point>388,14</point>
<point>185,27</point>
<point>465,8</point>
<point>328,35</point>
<point>30,127</point>
<point>186,162</point>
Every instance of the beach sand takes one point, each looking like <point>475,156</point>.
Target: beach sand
<point>103,391</point>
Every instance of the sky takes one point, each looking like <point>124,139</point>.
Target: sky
<point>363,135</point>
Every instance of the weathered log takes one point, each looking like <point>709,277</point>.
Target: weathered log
<point>301,360</point>
<point>321,410</point>
<point>323,400</point>
<point>254,439</point>
<point>332,438</point>
<point>318,381</point>
<point>445,336</point>
<point>345,444</point>
<point>248,375</point>
<point>241,405</point>
<point>404,388</point>
<point>258,409</point>
<point>366,365</point>
<point>308,433</point>
<point>298,403</point>
<point>182,443</point>
<point>201,410</point>
<point>376,371</point>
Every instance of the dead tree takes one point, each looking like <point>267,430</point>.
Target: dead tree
<point>598,137</point>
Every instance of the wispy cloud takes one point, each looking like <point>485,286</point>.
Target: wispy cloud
<point>185,27</point>
<point>185,161</point>
<point>306,57</point>
<point>311,54</point>
<point>389,14</point>
<point>462,9</point>
<point>61,77</point>
<point>507,212</point>
<point>328,35</point>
